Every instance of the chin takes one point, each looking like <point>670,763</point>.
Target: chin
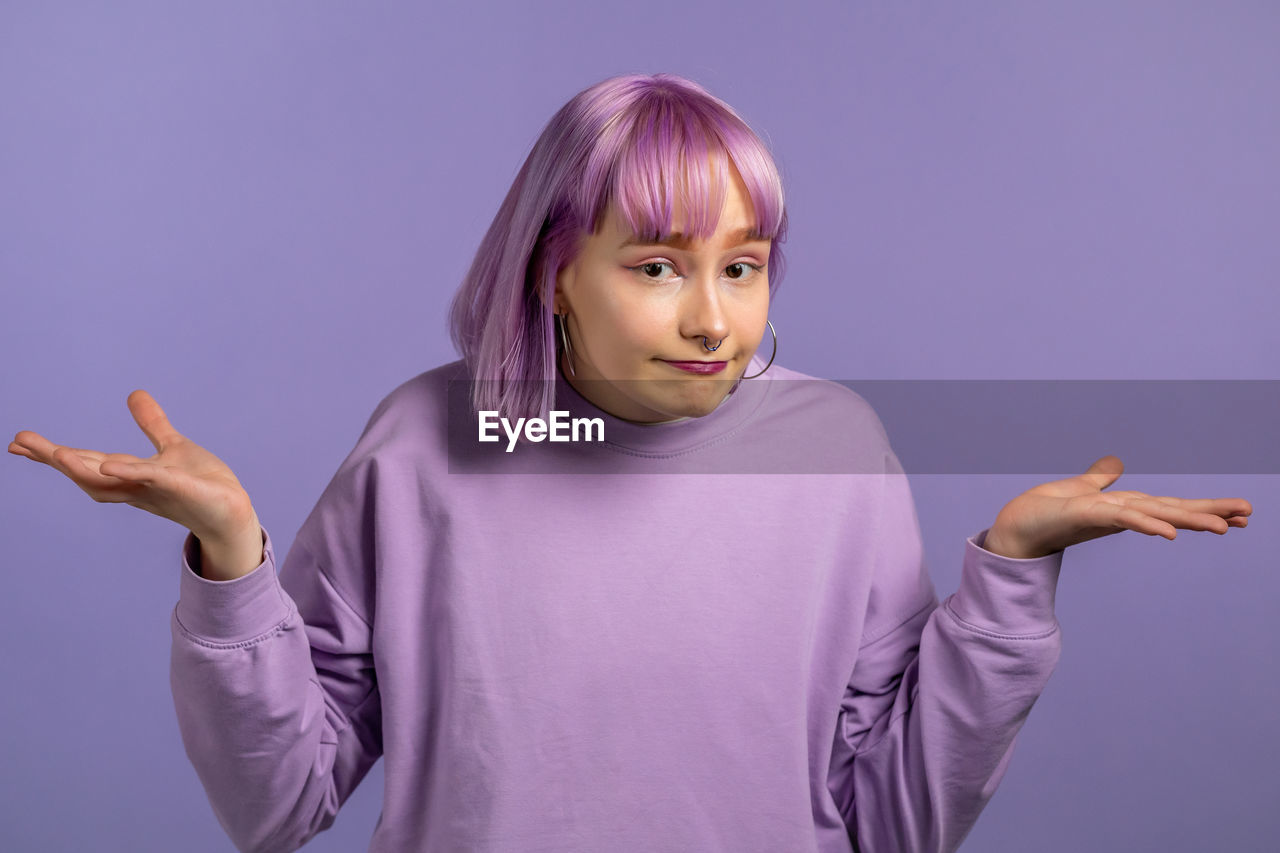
<point>704,403</point>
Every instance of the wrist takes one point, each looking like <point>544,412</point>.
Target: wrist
<point>229,557</point>
<point>1003,546</point>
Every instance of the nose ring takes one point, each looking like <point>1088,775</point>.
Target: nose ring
<point>709,347</point>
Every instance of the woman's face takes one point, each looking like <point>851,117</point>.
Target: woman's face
<point>634,309</point>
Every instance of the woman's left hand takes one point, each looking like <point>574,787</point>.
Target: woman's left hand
<point>1056,515</point>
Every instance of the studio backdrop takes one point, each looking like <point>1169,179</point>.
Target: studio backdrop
<point>1029,234</point>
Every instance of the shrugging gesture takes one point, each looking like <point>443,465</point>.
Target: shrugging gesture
<point>1055,515</point>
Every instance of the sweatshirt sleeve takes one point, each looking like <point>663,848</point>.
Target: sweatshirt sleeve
<point>938,692</point>
<point>276,696</point>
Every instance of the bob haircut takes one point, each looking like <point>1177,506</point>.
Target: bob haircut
<point>626,141</point>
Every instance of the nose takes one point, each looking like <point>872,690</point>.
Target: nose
<point>701,312</point>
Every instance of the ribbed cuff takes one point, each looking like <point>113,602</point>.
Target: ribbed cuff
<point>1004,595</point>
<point>230,611</point>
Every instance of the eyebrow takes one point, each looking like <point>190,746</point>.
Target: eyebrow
<point>679,240</point>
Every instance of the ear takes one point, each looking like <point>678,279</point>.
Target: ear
<point>564,283</point>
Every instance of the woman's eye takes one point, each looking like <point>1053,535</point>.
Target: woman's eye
<point>648,269</point>
<point>745,270</point>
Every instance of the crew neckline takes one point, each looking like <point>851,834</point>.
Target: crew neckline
<point>666,438</point>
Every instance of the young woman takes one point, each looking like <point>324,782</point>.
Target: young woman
<point>710,628</point>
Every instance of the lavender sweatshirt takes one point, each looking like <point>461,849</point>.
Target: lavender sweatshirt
<point>684,638</point>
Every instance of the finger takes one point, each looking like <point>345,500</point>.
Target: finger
<point>143,473</point>
<point>94,460</point>
<point>1101,474</point>
<point>1224,507</point>
<point>33,445</point>
<point>42,449</point>
<point>1135,519</point>
<point>1178,516</point>
<point>152,420</point>
<point>68,462</point>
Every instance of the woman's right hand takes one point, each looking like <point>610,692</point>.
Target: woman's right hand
<point>182,481</point>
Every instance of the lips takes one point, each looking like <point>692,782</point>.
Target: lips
<point>701,367</point>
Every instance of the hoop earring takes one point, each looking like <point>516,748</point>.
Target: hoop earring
<point>772,357</point>
<point>564,338</point>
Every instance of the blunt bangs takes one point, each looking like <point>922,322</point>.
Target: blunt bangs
<point>684,155</point>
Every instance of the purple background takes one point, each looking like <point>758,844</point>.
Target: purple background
<point>258,213</point>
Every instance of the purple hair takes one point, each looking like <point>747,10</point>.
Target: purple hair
<point>628,141</point>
